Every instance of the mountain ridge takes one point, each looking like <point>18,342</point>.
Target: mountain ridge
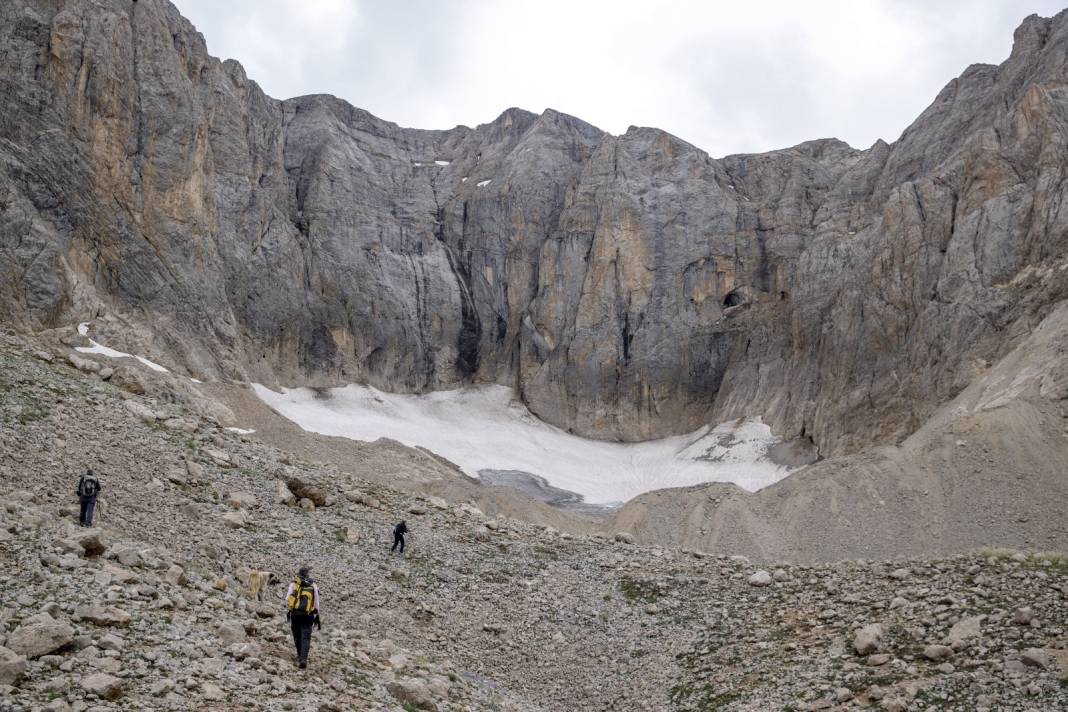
<point>626,287</point>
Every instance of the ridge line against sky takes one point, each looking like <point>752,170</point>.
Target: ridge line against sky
<point>726,77</point>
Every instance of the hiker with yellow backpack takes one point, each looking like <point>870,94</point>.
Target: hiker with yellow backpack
<point>303,613</point>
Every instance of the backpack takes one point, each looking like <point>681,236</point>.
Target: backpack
<point>90,486</point>
<point>303,598</point>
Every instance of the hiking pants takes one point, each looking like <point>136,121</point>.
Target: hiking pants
<point>88,504</point>
<point>302,625</point>
<point>397,539</point>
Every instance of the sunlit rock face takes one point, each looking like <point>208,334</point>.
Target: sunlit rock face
<point>626,287</point>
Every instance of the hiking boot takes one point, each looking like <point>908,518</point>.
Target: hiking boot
<point>303,664</point>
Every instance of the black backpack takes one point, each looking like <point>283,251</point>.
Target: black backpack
<point>90,486</point>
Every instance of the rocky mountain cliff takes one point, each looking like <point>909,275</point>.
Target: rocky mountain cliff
<point>626,286</point>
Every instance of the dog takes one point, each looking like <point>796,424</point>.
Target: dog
<point>258,581</point>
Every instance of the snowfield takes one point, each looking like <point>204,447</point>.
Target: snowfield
<point>483,428</point>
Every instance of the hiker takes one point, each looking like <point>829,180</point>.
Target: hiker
<point>398,537</point>
<point>303,613</point>
<point>88,489</point>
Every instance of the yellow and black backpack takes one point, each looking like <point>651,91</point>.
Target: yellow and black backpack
<point>303,598</point>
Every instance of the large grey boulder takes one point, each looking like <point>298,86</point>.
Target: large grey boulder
<point>40,635</point>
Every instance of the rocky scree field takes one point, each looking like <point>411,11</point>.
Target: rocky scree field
<point>148,610</point>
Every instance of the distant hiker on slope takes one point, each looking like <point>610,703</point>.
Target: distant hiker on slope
<point>303,613</point>
<point>88,489</point>
<point>398,537</point>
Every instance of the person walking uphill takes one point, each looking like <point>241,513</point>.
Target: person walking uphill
<point>88,489</point>
<point>303,613</point>
<point>398,537</point>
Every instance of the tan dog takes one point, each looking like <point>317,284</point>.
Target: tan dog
<point>258,581</point>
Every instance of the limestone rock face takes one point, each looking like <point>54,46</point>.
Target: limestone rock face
<point>626,286</point>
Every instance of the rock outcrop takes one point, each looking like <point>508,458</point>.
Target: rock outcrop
<point>626,286</point>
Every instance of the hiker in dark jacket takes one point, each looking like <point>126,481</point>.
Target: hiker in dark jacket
<point>88,489</point>
<point>303,613</point>
<point>398,537</point>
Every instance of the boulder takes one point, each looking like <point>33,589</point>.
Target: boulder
<point>964,630</point>
<point>348,535</point>
<point>175,575</point>
<point>220,458</point>
<point>937,652</point>
<point>92,541</point>
<point>412,692</point>
<point>103,685</point>
<point>13,666</point>
<point>241,500</point>
<point>140,410</point>
<point>283,495</point>
<point>40,635</point>
<point>83,364</point>
<point>180,425</point>
<point>1038,658</point>
<point>306,504</point>
<point>231,633</point>
<point>760,578</point>
<point>236,519</point>
<point>868,639</point>
<point>624,537</point>
<point>98,614</point>
<point>306,490</point>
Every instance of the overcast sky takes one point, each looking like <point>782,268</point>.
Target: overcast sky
<point>747,75</point>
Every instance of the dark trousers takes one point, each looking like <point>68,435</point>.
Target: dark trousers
<point>397,539</point>
<point>301,625</point>
<point>88,504</point>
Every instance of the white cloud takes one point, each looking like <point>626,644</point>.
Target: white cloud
<point>728,77</point>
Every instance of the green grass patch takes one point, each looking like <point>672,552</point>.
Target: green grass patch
<point>702,698</point>
<point>636,591</point>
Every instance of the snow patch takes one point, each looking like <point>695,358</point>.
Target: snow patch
<point>442,163</point>
<point>242,431</point>
<point>484,428</point>
<point>484,183</point>
<point>464,179</point>
<point>97,348</point>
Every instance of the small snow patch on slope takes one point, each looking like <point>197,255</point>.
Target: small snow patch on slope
<point>97,348</point>
<point>483,428</point>
<point>484,183</point>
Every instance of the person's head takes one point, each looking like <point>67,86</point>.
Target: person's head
<point>88,472</point>
<point>404,523</point>
<point>303,572</point>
